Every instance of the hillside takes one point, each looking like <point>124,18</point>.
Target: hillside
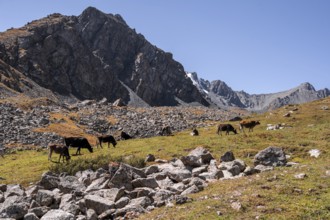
<point>280,193</point>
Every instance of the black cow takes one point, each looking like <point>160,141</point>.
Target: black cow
<point>79,142</point>
<point>227,128</point>
<point>125,136</point>
<point>106,139</point>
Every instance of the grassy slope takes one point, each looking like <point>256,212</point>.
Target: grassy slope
<point>270,195</point>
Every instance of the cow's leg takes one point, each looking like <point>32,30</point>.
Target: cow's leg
<point>78,150</point>
<point>50,154</point>
<point>108,144</point>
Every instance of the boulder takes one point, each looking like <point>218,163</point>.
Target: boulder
<point>124,176</point>
<point>151,169</point>
<point>30,216</point>
<point>14,190</point>
<point>68,204</point>
<point>39,211</point>
<point>228,156</point>
<point>122,202</point>
<point>57,214</point>
<point>49,181</point>
<point>45,197</point>
<point>149,182</point>
<point>271,156</point>
<point>97,184</point>
<point>98,203</point>
<point>197,157</point>
<point>70,183</point>
<point>14,207</point>
<point>112,194</point>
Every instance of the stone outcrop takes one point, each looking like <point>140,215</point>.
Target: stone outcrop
<point>117,192</point>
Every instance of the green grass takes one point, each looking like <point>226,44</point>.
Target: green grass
<point>270,195</point>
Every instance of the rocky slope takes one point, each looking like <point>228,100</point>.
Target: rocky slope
<point>220,94</point>
<point>92,56</point>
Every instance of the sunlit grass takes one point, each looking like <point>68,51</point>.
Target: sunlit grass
<point>270,195</point>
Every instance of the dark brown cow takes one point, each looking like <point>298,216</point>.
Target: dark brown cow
<point>62,150</point>
<point>106,139</point>
<point>79,142</point>
<point>248,124</point>
<point>227,128</point>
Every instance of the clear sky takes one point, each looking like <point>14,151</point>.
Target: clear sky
<point>258,46</point>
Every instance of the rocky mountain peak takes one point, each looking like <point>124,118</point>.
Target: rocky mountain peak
<point>95,56</point>
<point>306,86</point>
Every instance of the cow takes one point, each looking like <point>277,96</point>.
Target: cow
<point>79,142</point>
<point>62,150</point>
<point>227,128</point>
<point>125,136</point>
<point>106,139</point>
<point>248,124</point>
<point>2,151</point>
<point>166,131</point>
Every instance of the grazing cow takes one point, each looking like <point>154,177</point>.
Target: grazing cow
<point>62,150</point>
<point>106,139</point>
<point>166,131</point>
<point>2,151</point>
<point>248,124</point>
<point>194,132</point>
<point>227,128</point>
<point>78,142</point>
<point>125,136</point>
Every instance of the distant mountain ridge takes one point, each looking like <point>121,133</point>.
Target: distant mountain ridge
<point>221,95</point>
<point>97,55</point>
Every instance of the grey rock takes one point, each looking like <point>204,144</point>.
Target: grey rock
<point>141,201</point>
<point>122,202</point>
<point>262,168</point>
<point>151,169</point>
<point>271,156</point>
<point>49,181</point>
<point>31,216</point>
<point>68,204</point>
<point>45,197</point>
<point>70,183</point>
<point>14,207</point>
<point>91,214</point>
<point>145,182</point>
<point>112,194</point>
<point>39,211</point>
<point>190,190</point>
<point>227,157</point>
<point>98,203</point>
<point>100,183</point>
<point>141,191</point>
<point>57,214</point>
<point>14,190</point>
<point>161,196</point>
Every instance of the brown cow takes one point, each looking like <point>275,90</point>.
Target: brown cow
<point>226,128</point>
<point>62,150</point>
<point>106,139</point>
<point>248,124</point>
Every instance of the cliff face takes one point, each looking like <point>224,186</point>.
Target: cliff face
<point>96,55</point>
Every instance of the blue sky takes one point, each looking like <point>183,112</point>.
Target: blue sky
<point>259,46</point>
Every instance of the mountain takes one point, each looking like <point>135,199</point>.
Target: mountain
<point>97,55</point>
<point>92,56</point>
<point>220,94</point>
